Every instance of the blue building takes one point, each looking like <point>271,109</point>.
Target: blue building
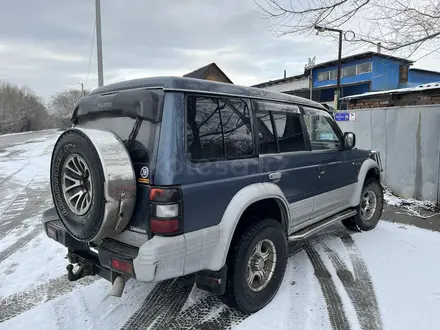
<point>361,73</point>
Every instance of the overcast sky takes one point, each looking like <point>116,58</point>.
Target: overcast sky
<point>46,44</point>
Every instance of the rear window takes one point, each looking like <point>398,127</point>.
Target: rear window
<point>218,128</point>
<point>141,147</point>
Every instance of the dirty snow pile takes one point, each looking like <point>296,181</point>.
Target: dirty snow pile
<point>410,205</point>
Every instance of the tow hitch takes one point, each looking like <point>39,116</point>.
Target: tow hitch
<point>83,270</point>
<point>89,265</point>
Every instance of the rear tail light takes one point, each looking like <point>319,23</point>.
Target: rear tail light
<point>123,266</point>
<point>166,211</point>
<point>161,226</point>
<point>165,195</point>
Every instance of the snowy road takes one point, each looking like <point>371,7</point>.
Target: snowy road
<point>385,279</point>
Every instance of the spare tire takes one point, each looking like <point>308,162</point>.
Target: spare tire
<point>93,183</point>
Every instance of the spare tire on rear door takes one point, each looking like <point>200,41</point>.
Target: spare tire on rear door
<point>93,183</point>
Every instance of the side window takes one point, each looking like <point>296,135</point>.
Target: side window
<point>218,128</point>
<point>266,136</point>
<point>236,128</point>
<point>321,133</point>
<point>289,132</point>
<point>282,120</point>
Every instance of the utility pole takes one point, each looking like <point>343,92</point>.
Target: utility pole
<point>338,87</point>
<point>99,42</point>
<point>379,47</point>
<point>82,88</point>
<point>310,66</point>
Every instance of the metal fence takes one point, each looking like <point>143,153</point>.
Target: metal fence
<point>409,141</point>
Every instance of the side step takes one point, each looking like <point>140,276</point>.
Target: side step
<point>313,229</point>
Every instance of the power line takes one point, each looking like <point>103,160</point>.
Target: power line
<point>91,52</point>
<point>427,54</point>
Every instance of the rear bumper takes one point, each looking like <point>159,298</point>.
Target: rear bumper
<point>99,258</point>
<point>158,259</point>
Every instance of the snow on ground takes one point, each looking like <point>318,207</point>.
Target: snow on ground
<point>29,268</point>
<point>387,278</point>
<point>28,133</point>
<point>400,261</point>
<point>410,205</point>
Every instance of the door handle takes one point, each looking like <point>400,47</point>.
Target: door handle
<point>321,170</point>
<point>276,176</point>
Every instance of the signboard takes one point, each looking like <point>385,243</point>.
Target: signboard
<point>345,116</point>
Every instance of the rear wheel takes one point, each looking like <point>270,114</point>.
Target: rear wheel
<point>256,266</point>
<point>369,209</point>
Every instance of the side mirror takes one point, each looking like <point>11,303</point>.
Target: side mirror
<point>349,140</point>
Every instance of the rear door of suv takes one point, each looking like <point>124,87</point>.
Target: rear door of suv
<point>135,117</point>
<point>284,156</point>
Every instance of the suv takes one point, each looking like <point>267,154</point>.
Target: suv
<point>163,177</point>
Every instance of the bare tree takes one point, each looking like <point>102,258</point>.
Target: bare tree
<point>396,24</point>
<point>62,104</point>
<point>21,110</point>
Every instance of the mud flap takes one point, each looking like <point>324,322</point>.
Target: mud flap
<point>214,282</point>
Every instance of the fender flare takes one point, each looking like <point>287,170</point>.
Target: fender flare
<point>367,165</point>
<point>238,204</point>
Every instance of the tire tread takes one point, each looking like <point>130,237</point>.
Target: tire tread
<point>235,258</point>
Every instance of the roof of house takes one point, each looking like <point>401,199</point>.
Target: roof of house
<point>424,70</point>
<point>176,84</point>
<point>328,63</point>
<point>279,81</point>
<point>419,88</point>
<point>360,56</point>
<point>200,73</point>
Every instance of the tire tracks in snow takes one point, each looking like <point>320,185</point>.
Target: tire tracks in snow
<point>210,313</point>
<point>9,177</point>
<point>164,302</point>
<point>21,302</point>
<point>22,241</point>
<point>358,286</point>
<point>207,313</point>
<point>335,308</point>
<point>162,309</point>
<point>31,202</point>
<point>34,202</point>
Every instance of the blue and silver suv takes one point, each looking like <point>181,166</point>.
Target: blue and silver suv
<point>163,177</point>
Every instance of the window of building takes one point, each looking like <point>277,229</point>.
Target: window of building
<point>346,72</point>
<point>403,74</point>
<point>322,76</point>
<point>363,68</point>
<point>334,74</point>
<point>218,128</point>
<point>349,71</point>
<point>321,133</point>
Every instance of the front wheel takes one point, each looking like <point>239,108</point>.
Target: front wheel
<point>256,265</point>
<point>369,209</point>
